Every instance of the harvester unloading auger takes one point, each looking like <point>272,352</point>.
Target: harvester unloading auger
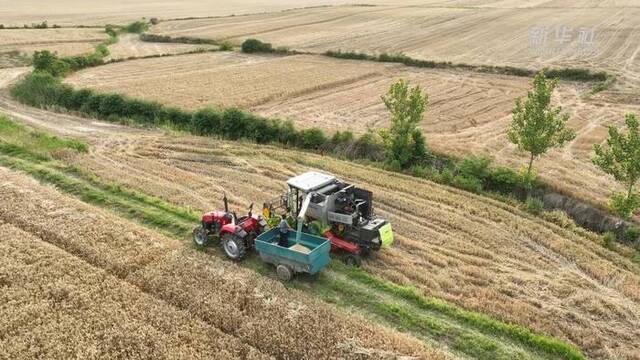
<point>329,214</point>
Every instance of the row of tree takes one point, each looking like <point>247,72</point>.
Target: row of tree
<point>537,126</point>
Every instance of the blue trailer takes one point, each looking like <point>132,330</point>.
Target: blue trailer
<point>305,253</point>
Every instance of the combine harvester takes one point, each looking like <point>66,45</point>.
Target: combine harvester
<point>329,215</point>
<point>336,210</point>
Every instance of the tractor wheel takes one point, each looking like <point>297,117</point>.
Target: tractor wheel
<point>233,246</point>
<point>200,236</point>
<point>352,260</point>
<point>284,272</point>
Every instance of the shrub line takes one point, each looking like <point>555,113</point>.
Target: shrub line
<point>602,78</point>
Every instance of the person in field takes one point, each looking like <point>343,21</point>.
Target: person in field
<point>284,232</point>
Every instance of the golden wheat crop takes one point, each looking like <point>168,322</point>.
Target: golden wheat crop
<point>56,305</point>
<point>218,296</point>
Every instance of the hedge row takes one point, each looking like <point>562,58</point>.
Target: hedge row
<point>42,89</point>
<point>181,39</point>
<point>473,173</point>
<point>571,74</point>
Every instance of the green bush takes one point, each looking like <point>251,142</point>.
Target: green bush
<point>624,206</point>
<point>418,171</point>
<point>181,39</point>
<point>576,74</point>
<point>48,62</point>
<point>102,50</point>
<point>255,46</point>
<point>226,46</point>
<point>206,121</point>
<point>503,180</point>
<point>340,137</point>
<point>534,206</point>
<point>476,166</point>
<point>349,55</point>
<point>467,182</point>
<point>176,117</point>
<point>608,239</point>
<point>111,30</point>
<point>39,89</point>
<point>136,27</point>
<point>311,138</point>
<point>234,124</point>
<point>631,235</point>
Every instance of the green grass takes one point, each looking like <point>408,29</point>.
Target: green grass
<point>434,321</point>
<point>17,138</point>
<point>476,320</point>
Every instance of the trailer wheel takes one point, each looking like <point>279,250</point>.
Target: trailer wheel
<point>284,272</point>
<point>233,246</point>
<point>200,236</point>
<point>352,260</point>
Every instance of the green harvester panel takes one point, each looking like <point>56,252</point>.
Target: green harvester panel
<point>386,235</point>
<point>312,262</point>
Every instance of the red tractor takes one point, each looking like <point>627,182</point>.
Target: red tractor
<point>236,235</point>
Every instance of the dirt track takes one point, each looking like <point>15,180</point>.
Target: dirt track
<point>481,254</point>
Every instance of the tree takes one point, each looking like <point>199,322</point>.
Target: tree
<point>404,143</point>
<point>537,126</point>
<point>47,61</point>
<point>254,46</point>
<point>621,159</point>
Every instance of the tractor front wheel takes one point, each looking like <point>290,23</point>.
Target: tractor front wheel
<point>200,236</point>
<point>233,246</point>
<point>284,272</point>
<point>352,260</point>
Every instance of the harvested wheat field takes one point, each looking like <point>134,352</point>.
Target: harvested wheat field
<point>481,254</point>
<point>173,301</point>
<point>223,78</point>
<point>63,41</point>
<point>496,33</point>
<point>468,113</point>
<point>129,45</point>
<point>100,12</point>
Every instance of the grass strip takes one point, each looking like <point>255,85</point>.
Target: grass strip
<point>151,217</point>
<point>470,343</point>
<point>479,321</point>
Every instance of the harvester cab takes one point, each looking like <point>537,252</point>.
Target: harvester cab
<point>336,210</point>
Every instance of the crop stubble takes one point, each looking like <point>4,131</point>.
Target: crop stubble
<point>218,296</point>
<point>478,253</point>
<point>468,113</point>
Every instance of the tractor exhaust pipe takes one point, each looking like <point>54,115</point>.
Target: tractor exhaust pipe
<point>226,204</point>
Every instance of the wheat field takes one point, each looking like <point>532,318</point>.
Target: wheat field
<point>468,112</point>
<point>63,41</point>
<point>140,295</point>
<point>481,254</point>
<point>583,33</point>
